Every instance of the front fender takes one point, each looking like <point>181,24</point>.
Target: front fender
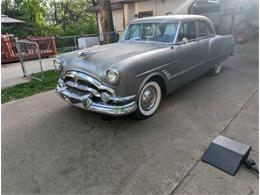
<point>137,70</point>
<point>154,75</point>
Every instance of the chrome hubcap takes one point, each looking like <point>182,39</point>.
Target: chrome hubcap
<point>149,97</point>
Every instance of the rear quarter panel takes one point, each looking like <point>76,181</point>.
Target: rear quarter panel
<point>220,48</point>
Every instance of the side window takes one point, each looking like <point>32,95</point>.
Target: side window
<point>203,29</point>
<point>187,30</point>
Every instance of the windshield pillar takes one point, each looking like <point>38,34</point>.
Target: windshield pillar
<point>177,32</point>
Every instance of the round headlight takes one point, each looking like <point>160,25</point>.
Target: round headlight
<point>58,64</point>
<point>112,76</point>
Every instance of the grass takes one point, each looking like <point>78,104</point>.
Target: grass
<point>30,88</point>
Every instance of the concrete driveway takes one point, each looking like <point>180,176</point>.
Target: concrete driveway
<point>49,146</point>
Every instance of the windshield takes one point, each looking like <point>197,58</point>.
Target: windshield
<point>157,32</point>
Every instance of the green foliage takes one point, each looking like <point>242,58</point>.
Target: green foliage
<point>31,88</point>
<point>50,17</point>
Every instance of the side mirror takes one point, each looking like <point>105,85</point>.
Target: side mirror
<point>185,40</point>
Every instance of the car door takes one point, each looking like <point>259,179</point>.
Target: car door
<point>205,33</point>
<point>186,53</point>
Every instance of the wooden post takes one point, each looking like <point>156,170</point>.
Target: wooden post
<point>54,45</point>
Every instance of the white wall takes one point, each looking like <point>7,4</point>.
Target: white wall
<point>184,7</point>
<point>118,20</point>
<point>131,9</point>
<point>158,7</point>
<point>145,6</point>
<point>85,42</point>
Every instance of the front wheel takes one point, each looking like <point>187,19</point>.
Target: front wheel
<point>148,100</point>
<point>216,69</point>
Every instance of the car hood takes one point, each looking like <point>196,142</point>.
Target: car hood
<point>98,59</point>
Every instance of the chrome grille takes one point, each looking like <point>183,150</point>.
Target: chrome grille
<point>82,84</point>
<point>81,87</point>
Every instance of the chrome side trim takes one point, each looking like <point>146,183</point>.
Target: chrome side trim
<point>170,77</point>
<point>166,73</point>
<point>154,69</point>
<point>123,99</point>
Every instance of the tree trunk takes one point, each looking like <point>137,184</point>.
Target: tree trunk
<point>55,12</point>
<point>106,21</point>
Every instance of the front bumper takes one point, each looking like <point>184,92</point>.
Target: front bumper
<point>86,103</point>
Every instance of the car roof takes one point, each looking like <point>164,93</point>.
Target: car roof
<point>170,18</point>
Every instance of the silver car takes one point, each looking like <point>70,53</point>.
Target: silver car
<point>154,57</point>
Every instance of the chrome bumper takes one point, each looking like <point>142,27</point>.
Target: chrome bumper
<point>86,103</point>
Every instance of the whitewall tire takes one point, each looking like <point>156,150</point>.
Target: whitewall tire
<point>148,100</point>
<point>216,69</point>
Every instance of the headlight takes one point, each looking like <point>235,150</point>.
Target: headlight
<point>58,64</point>
<point>112,76</point>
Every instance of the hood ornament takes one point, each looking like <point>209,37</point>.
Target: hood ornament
<point>85,54</point>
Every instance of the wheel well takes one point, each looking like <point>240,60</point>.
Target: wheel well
<point>161,82</point>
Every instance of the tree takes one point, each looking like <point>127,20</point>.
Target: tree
<point>34,12</point>
<point>72,16</point>
<point>51,17</point>
<point>106,21</point>
<point>6,6</point>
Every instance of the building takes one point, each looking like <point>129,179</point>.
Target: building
<point>225,14</point>
<point>7,21</point>
<point>124,11</point>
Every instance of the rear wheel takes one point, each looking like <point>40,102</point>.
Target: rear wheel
<point>216,69</point>
<point>148,100</point>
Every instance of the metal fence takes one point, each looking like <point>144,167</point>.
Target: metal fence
<point>9,52</point>
<point>71,43</point>
<point>25,48</point>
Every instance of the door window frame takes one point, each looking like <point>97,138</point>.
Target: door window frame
<point>178,31</point>
<point>210,30</point>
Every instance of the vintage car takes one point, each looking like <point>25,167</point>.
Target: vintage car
<point>154,57</point>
